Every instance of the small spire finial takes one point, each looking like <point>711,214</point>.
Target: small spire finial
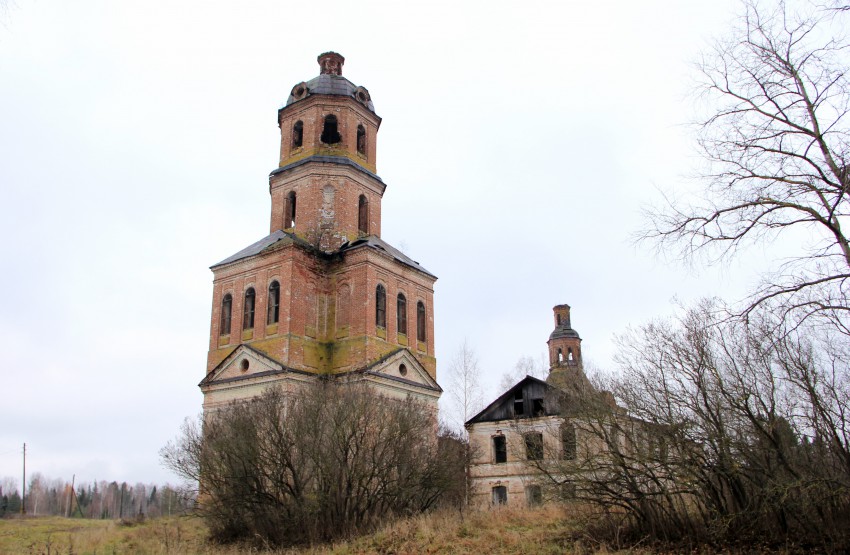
<point>330,63</point>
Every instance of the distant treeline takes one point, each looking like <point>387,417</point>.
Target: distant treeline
<point>105,500</point>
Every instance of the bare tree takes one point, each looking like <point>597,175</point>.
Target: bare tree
<point>727,430</point>
<point>777,144</point>
<point>464,392</point>
<point>525,366</point>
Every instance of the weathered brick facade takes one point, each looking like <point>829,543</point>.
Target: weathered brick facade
<point>500,471</point>
<point>326,257</point>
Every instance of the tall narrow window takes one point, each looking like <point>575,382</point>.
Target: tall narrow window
<point>274,303</point>
<point>534,496</point>
<point>500,449</point>
<point>248,309</point>
<point>363,215</point>
<point>330,134</point>
<point>568,441</point>
<point>560,355</point>
<point>420,322</point>
<point>381,307</point>
<point>297,134</point>
<point>226,307</point>
<point>519,406</point>
<point>401,314</point>
<point>289,211</point>
<point>534,446</point>
<point>361,140</point>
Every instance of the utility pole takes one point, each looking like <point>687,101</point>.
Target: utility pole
<point>24,496</point>
<point>71,494</point>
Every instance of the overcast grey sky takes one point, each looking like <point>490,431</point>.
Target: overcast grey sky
<point>519,142</point>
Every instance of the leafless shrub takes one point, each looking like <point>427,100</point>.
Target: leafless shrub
<point>332,461</point>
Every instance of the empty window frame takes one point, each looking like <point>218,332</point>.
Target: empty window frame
<point>361,140</point>
<point>289,211</point>
<point>248,309</point>
<point>226,311</point>
<point>330,134</point>
<point>500,495</point>
<point>363,215</point>
<point>274,303</point>
<point>533,446</point>
<point>537,407</point>
<point>500,449</point>
<point>519,406</point>
<point>380,306</point>
<point>420,322</point>
<point>401,314</point>
<point>568,441</point>
<point>297,134</point>
<point>533,495</point>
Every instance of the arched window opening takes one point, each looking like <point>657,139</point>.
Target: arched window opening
<point>570,355</point>
<point>274,303</point>
<point>289,211</point>
<point>568,442</point>
<point>560,355</point>
<point>226,307</point>
<point>361,140</point>
<point>297,134</point>
<point>248,309</point>
<point>330,134</point>
<point>381,307</point>
<point>420,322</point>
<point>557,319</point>
<point>363,215</point>
<point>401,314</point>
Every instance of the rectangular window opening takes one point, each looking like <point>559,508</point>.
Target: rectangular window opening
<point>500,495</point>
<point>534,446</point>
<point>500,449</point>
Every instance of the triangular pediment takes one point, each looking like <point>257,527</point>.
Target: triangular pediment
<point>243,363</point>
<point>403,367</point>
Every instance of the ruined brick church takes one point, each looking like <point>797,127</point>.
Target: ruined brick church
<point>322,294</point>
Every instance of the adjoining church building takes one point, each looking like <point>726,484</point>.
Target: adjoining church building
<point>322,294</point>
<point>532,421</point>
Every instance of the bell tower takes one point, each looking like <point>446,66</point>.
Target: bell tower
<point>564,342</point>
<point>323,294</point>
<point>326,190</point>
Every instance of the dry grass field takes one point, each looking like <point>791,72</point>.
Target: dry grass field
<point>532,532</point>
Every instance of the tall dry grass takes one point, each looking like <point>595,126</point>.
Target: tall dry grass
<point>545,530</point>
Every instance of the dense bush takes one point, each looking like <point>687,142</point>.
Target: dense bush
<point>331,461</point>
